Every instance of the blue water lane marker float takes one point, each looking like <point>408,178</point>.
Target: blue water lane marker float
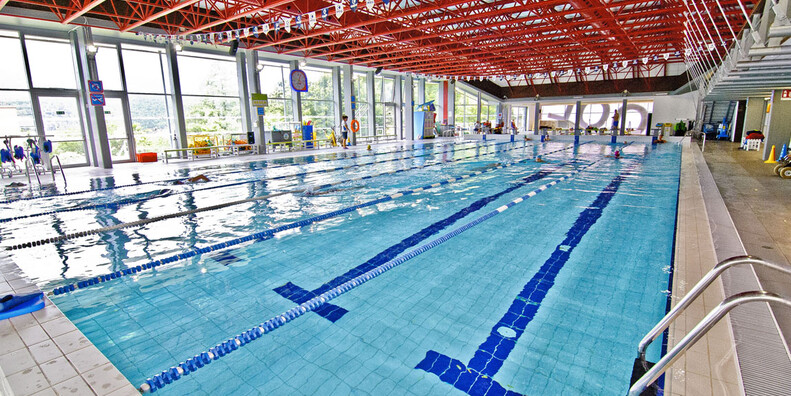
<point>169,193</point>
<point>475,377</point>
<point>269,233</point>
<point>333,313</point>
<point>355,156</point>
<point>194,363</point>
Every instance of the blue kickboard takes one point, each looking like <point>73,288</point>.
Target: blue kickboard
<point>20,305</point>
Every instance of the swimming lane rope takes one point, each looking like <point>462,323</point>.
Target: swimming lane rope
<point>203,358</point>
<point>266,233</point>
<point>81,234</point>
<point>185,178</point>
<point>131,201</point>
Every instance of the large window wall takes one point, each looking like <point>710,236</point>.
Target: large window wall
<point>140,112</point>
<point>35,84</point>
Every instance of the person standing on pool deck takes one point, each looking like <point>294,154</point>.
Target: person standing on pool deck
<point>345,130</point>
<point>615,119</point>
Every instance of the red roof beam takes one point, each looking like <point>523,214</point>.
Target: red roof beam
<point>464,30</point>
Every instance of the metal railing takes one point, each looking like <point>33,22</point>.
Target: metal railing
<point>28,164</point>
<point>707,322</point>
<point>60,168</point>
<point>699,331</point>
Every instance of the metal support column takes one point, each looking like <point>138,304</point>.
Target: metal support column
<point>296,98</point>
<point>421,90</point>
<point>577,121</point>
<point>180,123</point>
<point>348,92</point>
<point>99,144</point>
<point>409,110</point>
<point>254,86</point>
<point>537,118</point>
<point>398,98</point>
<point>451,105</point>
<point>337,105</point>
<point>623,118</point>
<point>371,95</point>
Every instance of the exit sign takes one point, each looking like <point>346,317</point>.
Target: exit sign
<point>786,94</point>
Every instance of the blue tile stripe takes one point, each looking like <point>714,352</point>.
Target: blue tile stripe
<point>223,173</point>
<point>475,377</point>
<point>167,192</point>
<point>270,232</point>
<point>141,222</point>
<point>299,295</point>
<point>184,368</point>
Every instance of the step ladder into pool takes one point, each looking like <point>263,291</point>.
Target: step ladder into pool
<point>645,374</point>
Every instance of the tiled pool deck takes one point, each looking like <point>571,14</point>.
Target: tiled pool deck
<point>45,354</point>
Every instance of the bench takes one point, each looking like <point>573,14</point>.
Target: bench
<point>214,151</point>
<point>300,144</point>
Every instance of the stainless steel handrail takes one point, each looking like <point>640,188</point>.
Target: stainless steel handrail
<point>60,167</point>
<point>699,331</point>
<point>27,170</point>
<point>696,291</point>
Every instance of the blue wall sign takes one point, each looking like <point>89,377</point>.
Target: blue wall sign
<point>95,86</point>
<point>97,99</point>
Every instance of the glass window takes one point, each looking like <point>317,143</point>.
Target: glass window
<point>385,107</point>
<point>208,76</point>
<point>51,64</point>
<point>215,116</point>
<point>152,121</point>
<point>144,71</point>
<point>360,87</point>
<point>16,113</point>
<point>518,117</point>
<point>62,125</point>
<point>274,79</point>
<point>109,67</point>
<point>317,103</point>
<point>637,117</point>
<point>558,117</point>
<point>13,74</point>
<point>466,110</point>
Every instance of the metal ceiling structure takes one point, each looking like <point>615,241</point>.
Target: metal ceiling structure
<point>447,38</point>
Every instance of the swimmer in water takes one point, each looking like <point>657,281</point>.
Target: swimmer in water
<point>309,191</point>
<point>199,178</point>
<point>539,159</point>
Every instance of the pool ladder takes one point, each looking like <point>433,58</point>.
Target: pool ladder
<point>711,319</point>
<point>39,169</point>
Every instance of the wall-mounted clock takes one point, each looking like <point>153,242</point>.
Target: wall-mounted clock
<point>299,81</point>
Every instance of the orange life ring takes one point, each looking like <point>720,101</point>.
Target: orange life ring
<point>355,126</point>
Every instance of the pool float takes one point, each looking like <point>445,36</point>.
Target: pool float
<point>12,305</point>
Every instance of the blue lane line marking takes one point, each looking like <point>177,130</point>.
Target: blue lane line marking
<point>475,377</point>
<point>167,192</point>
<point>299,295</point>
<point>268,233</point>
<point>192,364</point>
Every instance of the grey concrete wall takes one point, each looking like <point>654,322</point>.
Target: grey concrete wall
<point>778,133</point>
<point>754,115</point>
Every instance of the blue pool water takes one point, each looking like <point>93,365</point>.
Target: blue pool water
<point>548,296</point>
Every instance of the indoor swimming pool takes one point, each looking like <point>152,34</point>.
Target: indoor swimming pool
<point>446,268</point>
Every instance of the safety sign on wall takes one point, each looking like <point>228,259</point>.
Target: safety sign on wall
<point>96,89</point>
<point>786,95</point>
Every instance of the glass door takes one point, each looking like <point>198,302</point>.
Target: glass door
<point>117,128</point>
<point>62,125</point>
